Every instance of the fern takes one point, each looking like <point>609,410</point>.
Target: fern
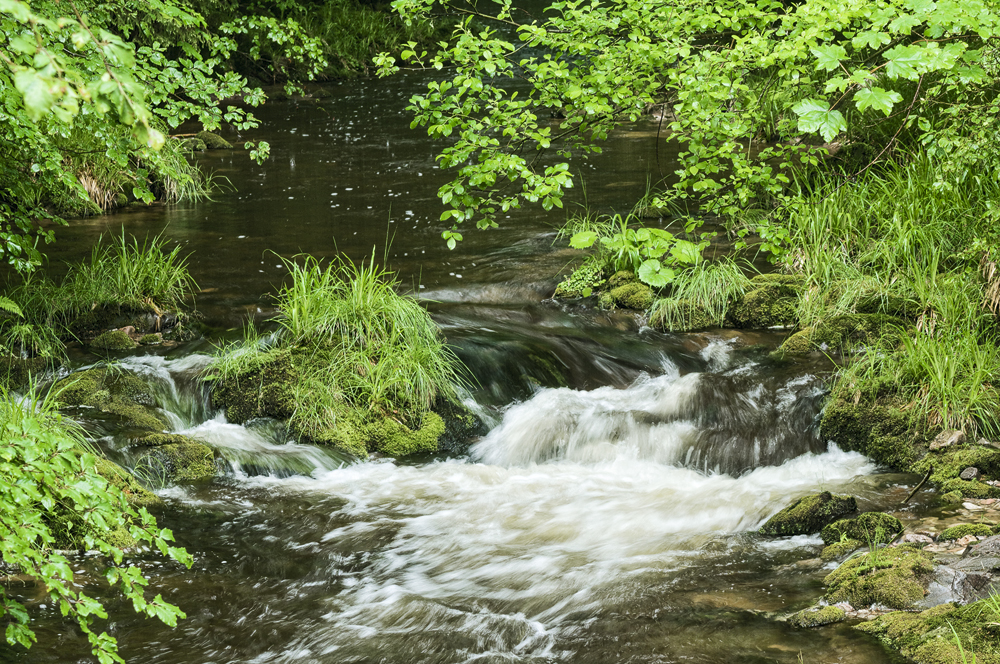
<point>8,305</point>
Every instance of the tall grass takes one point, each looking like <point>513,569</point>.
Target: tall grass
<point>707,287</point>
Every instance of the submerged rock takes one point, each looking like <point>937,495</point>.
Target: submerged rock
<point>894,577</point>
<point>213,141</point>
<point>809,514</point>
<point>817,616</point>
<point>169,458</point>
<point>116,393</point>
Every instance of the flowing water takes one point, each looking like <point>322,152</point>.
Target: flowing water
<point>606,517</point>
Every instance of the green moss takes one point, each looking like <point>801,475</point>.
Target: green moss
<point>883,433</point>
<point>929,637</point>
<point>383,435</point>
<point>817,616</point>
<point>113,340</point>
<point>952,497</point>
<point>840,549</point>
<point>193,145</point>
<point>16,372</point>
<point>870,527</point>
<point>622,277</point>
<point>971,489</point>
<point>809,514</point>
<point>680,316</point>
<point>949,463</point>
<point>265,389</point>
<point>117,393</point>
<point>633,295</point>
<point>213,141</point>
<point>966,529</point>
<point>135,493</point>
<point>151,339</point>
<point>461,426</point>
<point>589,276</point>
<point>839,333</point>
<point>894,577</point>
<point>771,300</point>
<point>173,458</point>
<point>605,300</point>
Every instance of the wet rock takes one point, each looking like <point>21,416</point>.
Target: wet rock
<point>895,577</point>
<point>970,488</point>
<point>817,616</point>
<point>838,550</point>
<point>461,426</point>
<point>870,527</point>
<point>154,339</point>
<point>770,301</point>
<point>193,145</point>
<point>169,458</point>
<point>119,394</point>
<point>947,438</point>
<point>213,141</point>
<point>809,514</point>
<point>880,431</point>
<point>114,340</point>
<point>916,538</point>
<point>929,637</point>
<point>633,295</point>
<point>838,333</point>
<point>965,529</point>
<point>949,463</point>
<point>970,473</point>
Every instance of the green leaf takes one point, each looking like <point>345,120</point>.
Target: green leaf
<point>653,273</point>
<point>870,39</point>
<point>903,61</point>
<point>583,240</point>
<point>35,91</point>
<point>877,98</point>
<point>829,57</point>
<point>815,116</point>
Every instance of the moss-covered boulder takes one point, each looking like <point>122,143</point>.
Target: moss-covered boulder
<point>265,388</point>
<point>622,277</point>
<point>882,432</point>
<point>809,514</point>
<point>16,372</point>
<point>966,529</point>
<point>839,333</point>
<point>583,280</point>
<point>945,634</point>
<point>771,300</point>
<point>213,141</point>
<point>461,426</point>
<point>895,577</point>
<point>193,144</point>
<point>838,550</point>
<point>113,340</point>
<point>817,616</point>
<point>384,436</point>
<point>117,393</point>
<point>671,315</point>
<point>948,463</point>
<point>153,339</point>
<point>169,458</point>
<point>633,295</point>
<point>870,528</point>
<point>971,489</point>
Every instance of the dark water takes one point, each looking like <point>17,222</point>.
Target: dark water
<point>606,516</point>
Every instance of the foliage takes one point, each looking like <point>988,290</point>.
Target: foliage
<point>48,475</point>
<point>359,346</point>
<point>707,287</point>
<point>897,72</point>
<point>89,90</point>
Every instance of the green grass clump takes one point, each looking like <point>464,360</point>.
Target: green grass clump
<point>349,353</point>
<point>701,296</point>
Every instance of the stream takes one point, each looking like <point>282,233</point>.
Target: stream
<point>607,516</point>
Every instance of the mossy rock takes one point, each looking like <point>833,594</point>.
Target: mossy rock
<point>966,529</point>
<point>883,433</point>
<point>838,333</point>
<point>840,549</point>
<point>16,372</point>
<point>587,277</point>
<point>265,389</point>
<point>135,493</point>
<point>151,339</point>
<point>970,489</point>
<point>622,277</point>
<point>771,300</point>
<point>817,616</point>
<point>113,340</point>
<point>171,458</point>
<point>605,300</point>
<point>687,316</point>
<point>949,463</point>
<point>117,393</point>
<point>809,514</point>
<point>952,497</point>
<point>461,426</point>
<point>213,141</point>
<point>863,528</point>
<point>929,637</point>
<point>895,577</point>
<point>633,295</point>
<point>890,305</point>
<point>383,436</point>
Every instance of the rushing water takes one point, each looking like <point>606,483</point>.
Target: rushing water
<point>606,517</point>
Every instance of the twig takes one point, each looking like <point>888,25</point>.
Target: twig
<point>922,482</point>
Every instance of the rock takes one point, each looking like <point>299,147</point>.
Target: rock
<point>949,463</point>
<point>771,300</point>
<point>16,372</point>
<point>965,529</point>
<point>671,315</point>
<point>119,394</point>
<point>870,528</point>
<point>169,458</point>
<point>817,616</point>
<point>947,438</point>
<point>970,473</point>
<point>882,432</point>
<point>910,538</point>
<point>461,426</point>
<point>840,549</point>
<point>151,339</point>
<point>114,340</point>
<point>838,333</point>
<point>894,576</point>
<point>929,637</point>
<point>633,295</point>
<point>213,141</point>
<point>809,514</point>
<point>193,145</point>
<point>971,488</point>
<point>952,497</point>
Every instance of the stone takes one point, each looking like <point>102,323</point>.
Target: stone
<point>817,616</point>
<point>213,141</point>
<point>970,473</point>
<point>947,438</point>
<point>915,537</point>
<point>809,514</point>
<point>895,577</point>
<point>870,528</point>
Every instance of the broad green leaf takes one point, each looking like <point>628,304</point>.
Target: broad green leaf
<point>653,273</point>
<point>829,56</point>
<point>815,116</point>
<point>877,98</point>
<point>583,240</point>
<point>903,62</point>
<point>870,39</point>
<point>35,91</point>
